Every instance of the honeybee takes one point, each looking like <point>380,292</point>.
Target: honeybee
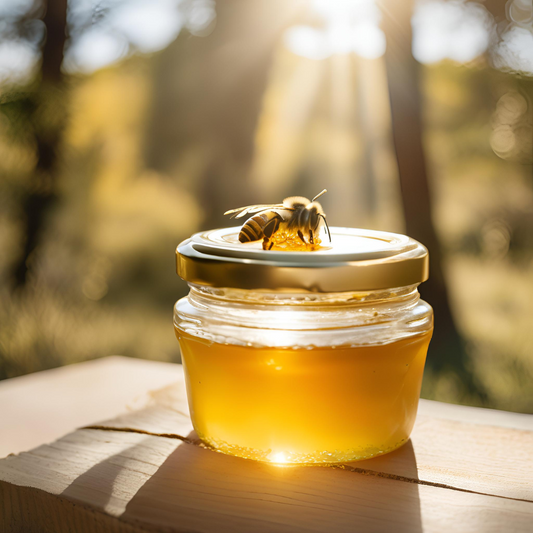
<point>296,213</point>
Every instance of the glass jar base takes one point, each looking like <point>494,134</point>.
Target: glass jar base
<point>284,457</point>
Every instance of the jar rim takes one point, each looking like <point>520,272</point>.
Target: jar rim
<point>357,260</point>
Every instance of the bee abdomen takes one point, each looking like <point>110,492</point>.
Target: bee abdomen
<point>252,229</point>
<point>245,235</point>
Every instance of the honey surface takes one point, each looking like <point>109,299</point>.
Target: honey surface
<point>304,405</point>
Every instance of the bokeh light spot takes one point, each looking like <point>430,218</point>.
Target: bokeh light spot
<point>515,51</point>
<point>17,61</point>
<point>454,30</point>
<point>348,27</point>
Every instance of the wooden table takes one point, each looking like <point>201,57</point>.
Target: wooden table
<point>121,456</point>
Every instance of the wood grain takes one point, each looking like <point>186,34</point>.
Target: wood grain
<point>107,387</point>
<point>44,406</point>
<point>158,484</point>
<point>485,459</point>
<point>475,415</point>
<point>145,470</point>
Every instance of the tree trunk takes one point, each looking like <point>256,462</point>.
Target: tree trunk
<point>47,112</point>
<point>447,352</point>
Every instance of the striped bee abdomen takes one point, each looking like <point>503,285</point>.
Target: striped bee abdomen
<point>261,225</point>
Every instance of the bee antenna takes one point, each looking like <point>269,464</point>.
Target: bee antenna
<point>326,222</point>
<point>319,195</point>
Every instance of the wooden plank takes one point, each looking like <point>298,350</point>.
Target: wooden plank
<point>94,480</point>
<point>166,413</point>
<point>475,415</point>
<point>44,406</point>
<point>462,455</point>
<point>107,387</point>
<point>485,459</point>
<point>120,481</point>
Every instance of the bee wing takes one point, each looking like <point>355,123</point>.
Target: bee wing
<point>242,211</point>
<point>282,210</point>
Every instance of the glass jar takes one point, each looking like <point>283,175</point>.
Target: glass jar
<point>303,357</point>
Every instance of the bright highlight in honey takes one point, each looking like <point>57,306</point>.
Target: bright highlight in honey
<point>277,458</point>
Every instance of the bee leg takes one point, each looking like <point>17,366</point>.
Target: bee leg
<point>311,240</point>
<point>301,235</point>
<point>271,244</point>
<point>265,243</point>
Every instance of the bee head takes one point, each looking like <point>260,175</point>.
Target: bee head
<point>317,217</point>
<point>315,220</point>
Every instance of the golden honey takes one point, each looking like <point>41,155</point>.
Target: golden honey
<point>289,241</point>
<point>328,404</point>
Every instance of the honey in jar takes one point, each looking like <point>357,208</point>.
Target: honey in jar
<point>316,357</point>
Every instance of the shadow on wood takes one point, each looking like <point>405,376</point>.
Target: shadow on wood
<point>194,488</point>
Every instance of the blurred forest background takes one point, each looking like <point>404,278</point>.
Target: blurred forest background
<point>127,125</point>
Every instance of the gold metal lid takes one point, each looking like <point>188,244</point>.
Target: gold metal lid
<point>355,260</point>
